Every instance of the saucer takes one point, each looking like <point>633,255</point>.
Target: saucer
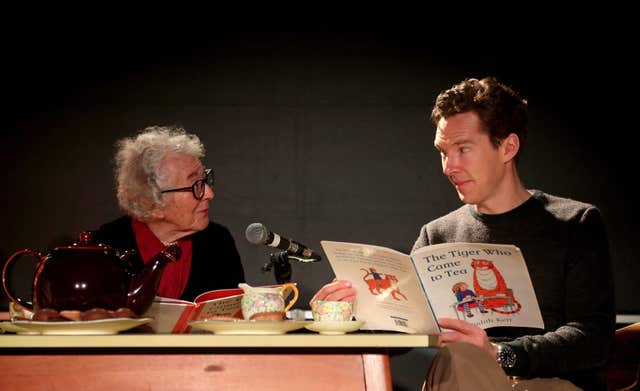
<point>334,327</point>
<point>241,326</point>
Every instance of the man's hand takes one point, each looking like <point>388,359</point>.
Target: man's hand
<point>455,330</point>
<point>336,290</point>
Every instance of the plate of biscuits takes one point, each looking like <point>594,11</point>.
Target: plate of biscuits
<point>82,327</point>
<point>96,321</point>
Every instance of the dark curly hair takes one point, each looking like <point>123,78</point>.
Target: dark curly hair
<point>501,109</point>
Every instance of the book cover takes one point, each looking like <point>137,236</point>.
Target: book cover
<point>487,285</point>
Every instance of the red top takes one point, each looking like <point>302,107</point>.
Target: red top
<point>175,275</point>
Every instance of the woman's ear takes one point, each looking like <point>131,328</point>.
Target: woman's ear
<point>156,213</point>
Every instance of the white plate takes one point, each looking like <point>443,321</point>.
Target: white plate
<point>89,327</point>
<point>248,326</point>
<point>10,327</point>
<point>333,327</point>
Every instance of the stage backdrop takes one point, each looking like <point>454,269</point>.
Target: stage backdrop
<point>317,136</point>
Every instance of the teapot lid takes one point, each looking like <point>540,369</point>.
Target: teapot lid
<point>85,243</point>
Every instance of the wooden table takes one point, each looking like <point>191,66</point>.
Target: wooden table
<point>294,361</point>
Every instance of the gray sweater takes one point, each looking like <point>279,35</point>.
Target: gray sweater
<point>566,249</point>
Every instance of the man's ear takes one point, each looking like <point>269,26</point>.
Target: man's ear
<point>510,147</point>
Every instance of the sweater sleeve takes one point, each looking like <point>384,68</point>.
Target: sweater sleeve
<point>585,339</point>
<point>422,240</point>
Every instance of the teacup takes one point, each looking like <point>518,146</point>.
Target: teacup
<point>267,303</point>
<point>332,310</point>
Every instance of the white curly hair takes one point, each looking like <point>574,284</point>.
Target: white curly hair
<point>137,166</point>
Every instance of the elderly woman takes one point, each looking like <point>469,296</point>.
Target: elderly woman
<point>165,191</point>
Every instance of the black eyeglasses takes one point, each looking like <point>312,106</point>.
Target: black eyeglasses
<point>198,187</point>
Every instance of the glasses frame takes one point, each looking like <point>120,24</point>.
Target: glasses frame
<point>208,179</point>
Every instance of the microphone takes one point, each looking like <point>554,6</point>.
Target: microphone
<point>257,233</point>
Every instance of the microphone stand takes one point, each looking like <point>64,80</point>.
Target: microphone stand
<point>281,266</point>
<point>279,262</point>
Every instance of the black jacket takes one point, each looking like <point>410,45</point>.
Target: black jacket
<point>215,263</point>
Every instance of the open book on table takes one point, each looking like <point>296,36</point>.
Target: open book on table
<point>487,285</point>
<point>174,315</point>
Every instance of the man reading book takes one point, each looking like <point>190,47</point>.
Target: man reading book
<point>481,129</point>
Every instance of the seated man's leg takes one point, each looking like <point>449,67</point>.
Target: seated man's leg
<point>462,366</point>
<point>544,384</point>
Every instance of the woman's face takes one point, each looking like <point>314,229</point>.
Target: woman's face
<point>183,213</point>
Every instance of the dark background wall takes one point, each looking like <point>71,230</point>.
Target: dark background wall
<point>316,135</point>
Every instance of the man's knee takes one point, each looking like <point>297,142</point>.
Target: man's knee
<point>460,365</point>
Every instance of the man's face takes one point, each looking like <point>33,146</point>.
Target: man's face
<point>469,159</point>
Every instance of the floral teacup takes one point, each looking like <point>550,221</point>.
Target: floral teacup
<point>332,310</point>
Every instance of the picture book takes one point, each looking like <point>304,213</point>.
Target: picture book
<point>487,285</point>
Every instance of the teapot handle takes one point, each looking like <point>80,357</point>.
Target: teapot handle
<point>6,270</point>
<point>283,291</point>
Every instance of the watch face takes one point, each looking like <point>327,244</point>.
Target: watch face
<point>506,356</point>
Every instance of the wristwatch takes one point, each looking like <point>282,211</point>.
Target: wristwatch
<point>506,356</point>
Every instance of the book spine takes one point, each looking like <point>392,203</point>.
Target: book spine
<point>182,325</point>
<point>193,315</point>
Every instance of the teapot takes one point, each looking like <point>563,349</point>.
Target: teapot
<point>88,275</point>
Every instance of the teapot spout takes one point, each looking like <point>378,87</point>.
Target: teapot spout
<point>143,286</point>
